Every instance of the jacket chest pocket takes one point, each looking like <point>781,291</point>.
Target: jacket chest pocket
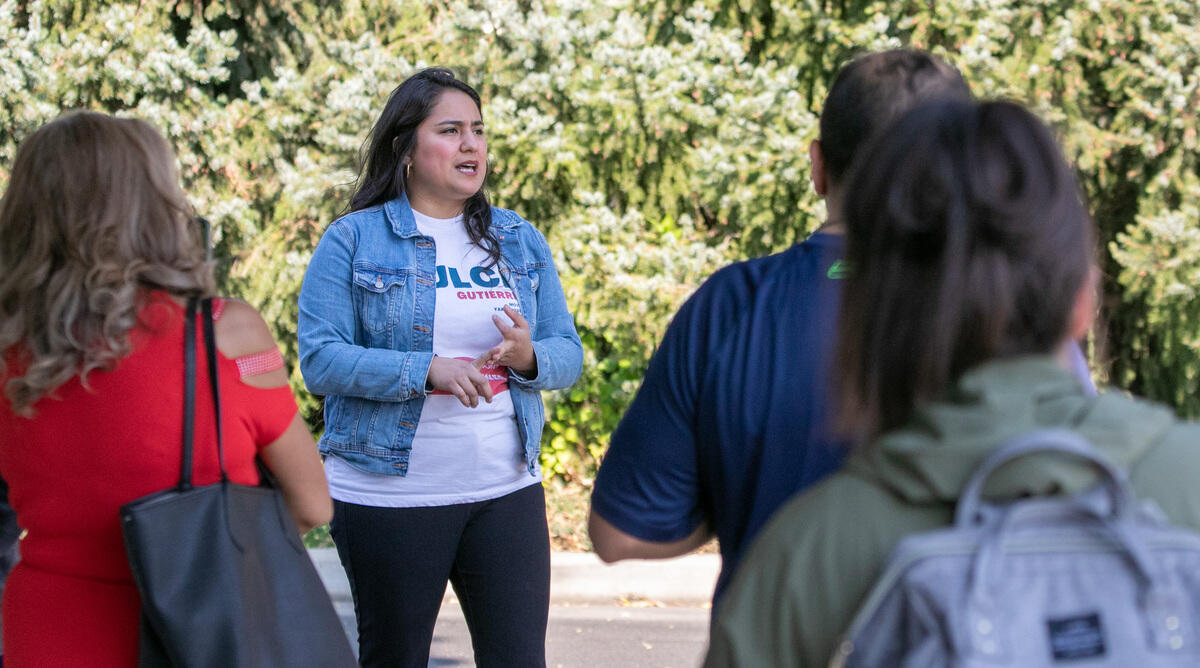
<point>379,293</point>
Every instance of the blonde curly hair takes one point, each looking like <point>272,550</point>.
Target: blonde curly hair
<point>92,219</point>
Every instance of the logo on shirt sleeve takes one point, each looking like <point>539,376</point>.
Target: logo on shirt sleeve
<point>838,270</point>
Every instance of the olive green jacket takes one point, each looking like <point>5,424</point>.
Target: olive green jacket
<point>814,563</point>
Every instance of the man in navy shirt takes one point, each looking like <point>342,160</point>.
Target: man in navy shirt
<point>733,416</point>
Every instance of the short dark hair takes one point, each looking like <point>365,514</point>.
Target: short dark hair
<point>871,91</point>
<point>382,175</point>
<point>968,240</point>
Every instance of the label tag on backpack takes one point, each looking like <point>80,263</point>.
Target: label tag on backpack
<point>1079,637</point>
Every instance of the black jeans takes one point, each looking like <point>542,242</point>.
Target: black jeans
<point>495,553</point>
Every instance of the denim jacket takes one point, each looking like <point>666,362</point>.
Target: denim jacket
<point>366,331</point>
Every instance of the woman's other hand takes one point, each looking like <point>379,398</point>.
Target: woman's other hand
<point>516,350</point>
<point>460,378</point>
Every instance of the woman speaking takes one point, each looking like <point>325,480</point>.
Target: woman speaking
<point>430,321</point>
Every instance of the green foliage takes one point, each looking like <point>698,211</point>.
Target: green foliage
<point>1118,80</point>
<point>318,537</point>
<point>1160,260</point>
<point>623,277</point>
<point>651,141</point>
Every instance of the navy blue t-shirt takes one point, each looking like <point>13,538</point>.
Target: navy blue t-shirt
<point>733,416</point>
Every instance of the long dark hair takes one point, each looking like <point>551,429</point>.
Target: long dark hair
<point>968,240</point>
<point>382,175</point>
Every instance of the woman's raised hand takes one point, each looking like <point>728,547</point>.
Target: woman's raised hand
<point>516,350</point>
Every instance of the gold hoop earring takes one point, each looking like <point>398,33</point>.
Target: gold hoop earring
<point>408,172</point>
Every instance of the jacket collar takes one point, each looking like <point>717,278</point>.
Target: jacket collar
<point>400,216</point>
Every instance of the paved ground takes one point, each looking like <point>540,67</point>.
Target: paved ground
<point>638,614</point>
<point>589,636</point>
<point>649,637</point>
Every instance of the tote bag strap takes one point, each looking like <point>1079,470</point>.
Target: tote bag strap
<point>189,387</point>
<point>210,349</point>
<point>189,393</point>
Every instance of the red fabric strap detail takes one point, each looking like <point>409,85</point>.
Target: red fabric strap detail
<point>256,363</point>
<point>218,307</point>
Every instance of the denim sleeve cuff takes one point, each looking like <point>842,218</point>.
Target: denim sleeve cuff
<point>539,356</point>
<point>415,373</point>
<point>559,362</point>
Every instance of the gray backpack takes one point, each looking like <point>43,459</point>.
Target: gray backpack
<point>1074,581</point>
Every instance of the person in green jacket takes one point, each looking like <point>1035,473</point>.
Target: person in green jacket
<point>972,269</point>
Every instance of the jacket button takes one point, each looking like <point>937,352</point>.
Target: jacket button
<point>379,281</point>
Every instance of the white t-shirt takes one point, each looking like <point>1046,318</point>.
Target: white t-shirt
<point>459,454</point>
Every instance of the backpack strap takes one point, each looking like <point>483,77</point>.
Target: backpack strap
<point>1062,441</point>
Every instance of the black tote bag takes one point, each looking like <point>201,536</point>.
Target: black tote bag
<point>223,576</point>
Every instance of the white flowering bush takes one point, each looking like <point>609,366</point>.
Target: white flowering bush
<point>651,141</point>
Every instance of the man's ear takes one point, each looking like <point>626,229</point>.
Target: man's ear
<point>1083,311</point>
<point>820,180</point>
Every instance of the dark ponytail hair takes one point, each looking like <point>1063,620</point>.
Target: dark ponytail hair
<point>968,240</point>
<point>382,174</point>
